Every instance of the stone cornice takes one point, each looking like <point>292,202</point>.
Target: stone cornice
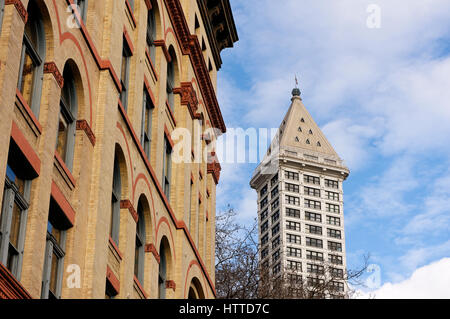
<point>188,97</point>
<point>20,9</point>
<point>50,67</point>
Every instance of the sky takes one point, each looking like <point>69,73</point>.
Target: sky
<point>380,93</point>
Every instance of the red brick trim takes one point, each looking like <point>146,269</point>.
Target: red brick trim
<point>51,67</point>
<point>83,125</point>
<point>214,169</point>
<point>207,215</point>
<point>170,284</point>
<point>167,134</point>
<point>26,148</point>
<point>115,283</point>
<point>147,54</point>
<point>148,4</point>
<point>172,117</point>
<point>63,203</point>
<point>192,178</point>
<point>162,44</point>
<point>126,204</point>
<point>149,91</point>
<point>208,193</point>
<point>190,46</point>
<point>200,198</point>
<point>65,168</point>
<point>28,110</point>
<point>150,248</point>
<point>200,175</point>
<point>139,286</point>
<point>20,9</point>
<point>130,11</point>
<point>114,246</point>
<point>10,287</point>
<point>128,39</point>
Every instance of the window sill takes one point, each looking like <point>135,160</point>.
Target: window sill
<point>64,171</point>
<point>139,289</point>
<point>25,109</point>
<point>152,66</point>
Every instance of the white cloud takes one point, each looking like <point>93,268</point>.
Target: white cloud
<point>430,281</point>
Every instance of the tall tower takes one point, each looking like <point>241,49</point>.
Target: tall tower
<point>301,207</point>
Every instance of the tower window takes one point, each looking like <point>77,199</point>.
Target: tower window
<point>308,142</point>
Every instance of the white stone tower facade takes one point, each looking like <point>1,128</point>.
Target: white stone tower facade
<point>300,203</point>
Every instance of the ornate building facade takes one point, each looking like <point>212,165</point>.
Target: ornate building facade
<point>301,209</point>
<point>93,204</point>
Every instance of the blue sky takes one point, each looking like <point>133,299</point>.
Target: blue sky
<point>381,96</point>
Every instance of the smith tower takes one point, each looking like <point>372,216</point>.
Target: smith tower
<point>301,208</point>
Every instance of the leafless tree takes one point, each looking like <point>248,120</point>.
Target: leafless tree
<point>240,276</point>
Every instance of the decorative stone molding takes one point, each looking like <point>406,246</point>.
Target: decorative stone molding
<point>150,248</point>
<point>20,9</point>
<point>214,168</point>
<point>126,204</point>
<point>83,125</point>
<point>50,67</point>
<point>170,284</point>
<point>10,288</point>
<point>162,44</point>
<point>188,97</point>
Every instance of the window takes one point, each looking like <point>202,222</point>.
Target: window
<point>313,217</point>
<point>332,195</point>
<point>276,256</point>
<point>68,109</point>
<point>146,127</point>
<point>276,269</point>
<point>294,265</point>
<point>167,162</point>
<point>82,8</point>
<point>335,259</point>
<point>170,82</point>
<point>264,214</point>
<point>264,202</point>
<point>311,179</point>
<point>276,229</point>
<point>337,286</point>
<point>131,3</point>
<point>332,184</point>
<point>293,239</point>
<point>333,221</point>
<point>274,180</point>
<point>32,59</point>
<point>263,191</point>
<point>337,273</point>
<point>264,252</point>
<point>312,204</point>
<point>293,200</point>
<point>292,212</point>
<point>13,218</point>
<point>314,255</point>
<point>334,246</point>
<point>292,225</point>
<point>115,203</point>
<point>332,208</point>
<point>315,269</point>
<point>294,252</point>
<point>292,187</point>
<point>314,242</point>
<point>334,233</point>
<point>264,227</point>
<point>151,34</point>
<point>316,230</point>
<point>125,73</point>
<point>312,191</point>
<point>264,239</point>
<point>54,254</point>
<point>275,204</point>
<point>274,192</point>
<point>162,273</point>
<point>291,175</point>
<point>140,243</point>
<point>275,216</point>
<point>276,242</point>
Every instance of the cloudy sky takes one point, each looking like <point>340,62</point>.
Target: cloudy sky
<point>381,96</point>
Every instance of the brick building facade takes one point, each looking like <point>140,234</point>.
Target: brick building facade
<point>93,205</point>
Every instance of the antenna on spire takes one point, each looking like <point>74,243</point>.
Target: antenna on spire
<point>296,81</point>
<point>296,90</point>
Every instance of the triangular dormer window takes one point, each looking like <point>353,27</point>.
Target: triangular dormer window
<point>308,142</point>
<point>318,144</point>
<point>310,132</point>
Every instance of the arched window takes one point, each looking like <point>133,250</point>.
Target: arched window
<point>140,242</point>
<point>67,119</point>
<point>162,274</point>
<point>82,8</point>
<point>151,34</point>
<point>115,203</point>
<point>170,80</point>
<point>146,127</point>
<point>32,59</point>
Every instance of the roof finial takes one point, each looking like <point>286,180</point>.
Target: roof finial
<point>296,90</point>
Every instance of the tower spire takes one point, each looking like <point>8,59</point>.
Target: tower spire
<point>296,90</point>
